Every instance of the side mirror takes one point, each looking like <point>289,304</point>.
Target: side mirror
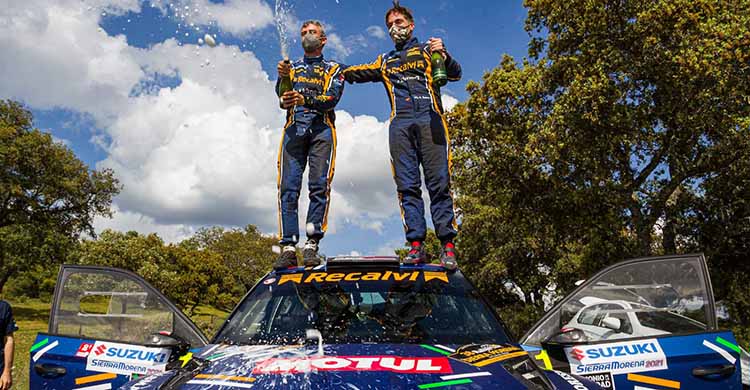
<point>612,323</point>
<point>567,336</point>
<point>555,345</point>
<point>176,344</point>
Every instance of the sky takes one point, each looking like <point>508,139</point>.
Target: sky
<point>192,132</point>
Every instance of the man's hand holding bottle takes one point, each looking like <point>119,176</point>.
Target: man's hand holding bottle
<point>289,97</point>
<point>292,98</point>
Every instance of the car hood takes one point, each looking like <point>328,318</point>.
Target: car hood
<point>359,366</point>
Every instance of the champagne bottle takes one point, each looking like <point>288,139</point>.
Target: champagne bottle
<point>439,75</point>
<point>286,82</point>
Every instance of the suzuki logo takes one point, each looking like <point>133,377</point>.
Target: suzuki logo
<point>577,354</point>
<point>100,350</point>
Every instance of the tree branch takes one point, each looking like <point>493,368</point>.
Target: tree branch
<point>653,164</point>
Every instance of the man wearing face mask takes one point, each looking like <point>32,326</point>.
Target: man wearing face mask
<point>418,133</point>
<point>309,137</point>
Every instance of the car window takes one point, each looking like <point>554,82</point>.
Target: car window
<point>621,314</point>
<point>649,298</point>
<point>588,315</point>
<point>666,321</point>
<point>113,306</point>
<point>412,310</point>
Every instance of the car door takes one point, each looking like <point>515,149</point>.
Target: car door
<point>663,316</point>
<point>106,326</point>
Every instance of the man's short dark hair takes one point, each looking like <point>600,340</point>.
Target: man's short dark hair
<point>397,8</point>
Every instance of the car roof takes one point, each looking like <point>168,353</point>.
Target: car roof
<point>357,263</point>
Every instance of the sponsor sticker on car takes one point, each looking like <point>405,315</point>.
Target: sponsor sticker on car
<point>126,359</point>
<point>404,365</point>
<point>617,358</point>
<point>577,385</point>
<point>384,276</point>
<point>603,379</point>
<point>84,349</point>
<point>481,355</point>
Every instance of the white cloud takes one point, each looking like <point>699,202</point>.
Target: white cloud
<point>61,141</point>
<point>337,45</point>
<point>448,102</point>
<point>114,7</point>
<point>201,153</point>
<point>125,221</point>
<point>388,248</point>
<point>376,31</point>
<point>54,55</point>
<point>236,17</point>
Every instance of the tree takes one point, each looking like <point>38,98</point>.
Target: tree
<point>718,224</point>
<point>247,253</point>
<point>188,276</point>
<point>46,194</point>
<point>587,152</point>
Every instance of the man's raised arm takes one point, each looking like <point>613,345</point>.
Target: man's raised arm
<point>365,73</point>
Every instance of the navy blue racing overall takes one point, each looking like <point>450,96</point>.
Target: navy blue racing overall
<point>418,134</point>
<point>309,137</point>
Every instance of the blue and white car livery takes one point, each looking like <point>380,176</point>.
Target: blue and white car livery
<point>365,323</point>
<point>642,324</point>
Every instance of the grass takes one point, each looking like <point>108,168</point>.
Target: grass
<point>32,315</point>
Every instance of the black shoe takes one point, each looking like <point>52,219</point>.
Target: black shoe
<point>310,254</point>
<point>287,258</point>
<point>448,257</point>
<point>416,254</point>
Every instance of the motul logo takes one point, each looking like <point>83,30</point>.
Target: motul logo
<point>404,365</point>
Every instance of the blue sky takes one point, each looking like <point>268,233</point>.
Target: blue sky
<point>192,131</point>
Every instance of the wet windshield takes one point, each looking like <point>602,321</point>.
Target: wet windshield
<point>411,307</point>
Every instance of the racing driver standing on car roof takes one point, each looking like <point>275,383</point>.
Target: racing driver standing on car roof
<point>418,133</point>
<point>308,89</point>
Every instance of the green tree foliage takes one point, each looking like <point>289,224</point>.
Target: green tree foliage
<point>187,276</point>
<point>47,195</point>
<point>718,224</point>
<point>247,253</point>
<point>595,148</point>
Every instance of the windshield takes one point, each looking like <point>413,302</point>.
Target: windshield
<point>409,307</point>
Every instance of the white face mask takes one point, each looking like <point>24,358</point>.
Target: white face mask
<point>399,34</point>
<point>310,42</point>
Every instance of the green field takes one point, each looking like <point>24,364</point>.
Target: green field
<point>32,314</point>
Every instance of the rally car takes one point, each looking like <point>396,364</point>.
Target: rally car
<point>351,323</point>
<point>646,323</point>
<point>618,319</point>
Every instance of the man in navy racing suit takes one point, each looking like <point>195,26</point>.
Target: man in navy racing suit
<point>309,137</point>
<point>418,134</point>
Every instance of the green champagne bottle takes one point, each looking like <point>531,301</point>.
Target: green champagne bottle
<point>286,82</point>
<point>439,75</point>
